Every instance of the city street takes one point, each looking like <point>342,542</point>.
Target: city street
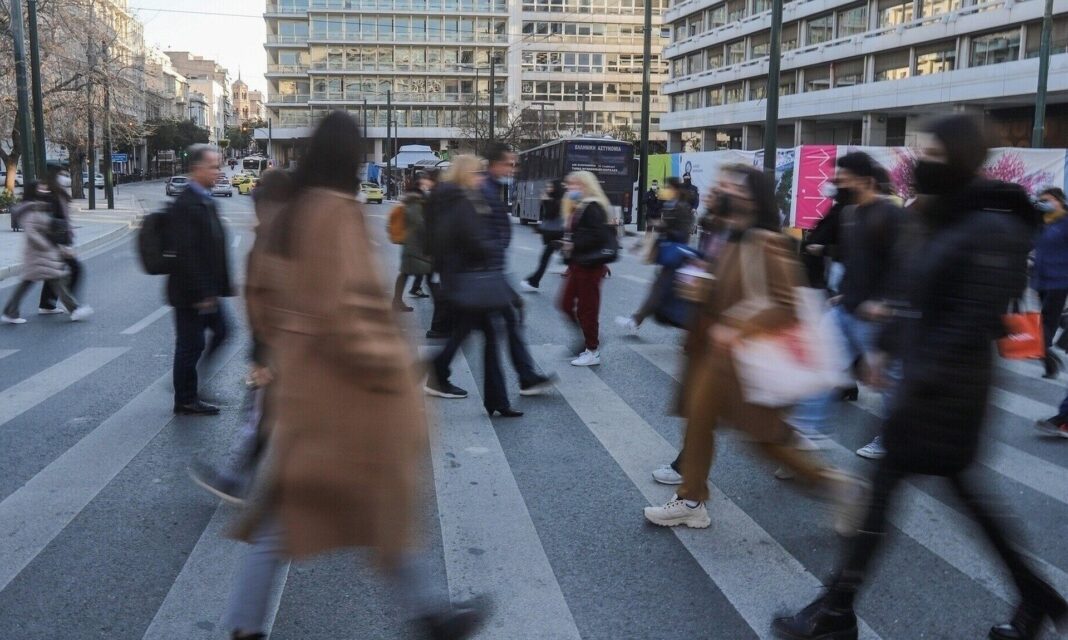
<point>103,535</point>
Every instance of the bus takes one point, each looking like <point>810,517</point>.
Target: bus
<point>255,165</point>
<point>612,161</point>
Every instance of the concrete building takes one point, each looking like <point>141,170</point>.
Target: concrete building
<point>167,89</point>
<point>211,81</point>
<point>430,60</point>
<point>866,72</point>
<point>256,108</point>
<point>239,95</point>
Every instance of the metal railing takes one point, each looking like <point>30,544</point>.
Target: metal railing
<point>449,6</point>
<point>458,68</point>
<point>459,38</point>
<point>407,96</point>
<point>288,98</point>
<point>274,38</point>
<point>274,7</point>
<point>287,68</point>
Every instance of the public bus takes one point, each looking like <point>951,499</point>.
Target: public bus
<point>255,165</point>
<point>612,161</point>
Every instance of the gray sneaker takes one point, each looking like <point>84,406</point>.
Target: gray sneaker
<point>874,450</point>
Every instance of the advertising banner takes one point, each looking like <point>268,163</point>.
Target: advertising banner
<point>815,167</point>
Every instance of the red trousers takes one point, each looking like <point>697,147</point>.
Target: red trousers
<point>581,300</point>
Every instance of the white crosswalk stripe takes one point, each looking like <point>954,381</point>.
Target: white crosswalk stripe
<point>16,400</point>
<point>7,352</point>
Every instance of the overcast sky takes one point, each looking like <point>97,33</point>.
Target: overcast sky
<point>234,41</point>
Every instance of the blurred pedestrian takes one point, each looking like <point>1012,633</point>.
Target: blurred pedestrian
<point>332,477</point>
<point>712,395</point>
<point>56,195</point>
<point>689,187</point>
<point>590,244</point>
<point>470,253</point>
<point>674,227</point>
<point>200,279</point>
<point>971,265</point>
<point>46,253</point>
<point>415,256</point>
<point>551,230</point>
<point>1049,277</point>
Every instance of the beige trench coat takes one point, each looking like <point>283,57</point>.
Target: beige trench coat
<point>349,426</point>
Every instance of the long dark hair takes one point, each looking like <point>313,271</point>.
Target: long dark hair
<point>761,188</point>
<point>332,159</point>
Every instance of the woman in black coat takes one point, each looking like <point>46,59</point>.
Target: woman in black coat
<point>972,264</point>
<point>551,230</point>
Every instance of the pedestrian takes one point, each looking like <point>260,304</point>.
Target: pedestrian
<point>971,265</point>
<point>332,477</point>
<point>711,395</point>
<point>590,244</point>
<point>200,279</point>
<point>415,257</point>
<point>551,230</point>
<point>469,248</point>
<point>688,186</point>
<point>45,253</point>
<point>59,200</point>
<point>652,204</point>
<point>1049,277</point>
<point>674,227</point>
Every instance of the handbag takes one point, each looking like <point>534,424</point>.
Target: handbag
<point>1023,335</point>
<point>804,360</point>
<point>672,255</point>
<point>480,291</point>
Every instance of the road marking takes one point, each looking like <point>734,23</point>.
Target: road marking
<point>524,248</point>
<point>143,323</point>
<point>627,276</point>
<point>938,528</point>
<point>236,242</point>
<point>32,516</point>
<point>489,549</point>
<point>202,589</point>
<point>638,449</point>
<point>32,391</point>
<point>6,352</point>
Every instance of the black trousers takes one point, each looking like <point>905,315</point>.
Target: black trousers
<point>534,279</point>
<point>441,322</point>
<point>994,518</point>
<point>74,277</point>
<point>1052,307</point>
<point>190,326</point>
<point>495,395</point>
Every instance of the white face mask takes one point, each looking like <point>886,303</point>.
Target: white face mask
<point>828,190</point>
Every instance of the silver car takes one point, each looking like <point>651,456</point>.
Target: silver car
<point>176,184</point>
<point>222,187</point>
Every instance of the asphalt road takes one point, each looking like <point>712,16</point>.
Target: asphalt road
<point>103,536</point>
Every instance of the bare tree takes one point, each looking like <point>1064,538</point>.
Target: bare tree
<point>518,129</point>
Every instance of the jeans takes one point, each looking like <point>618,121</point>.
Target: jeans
<point>517,349</point>
<point>48,296</point>
<point>190,325</point>
<point>495,395</point>
<point>581,301</point>
<point>441,322</point>
<point>812,416</point>
<point>534,279</point>
<point>57,286</point>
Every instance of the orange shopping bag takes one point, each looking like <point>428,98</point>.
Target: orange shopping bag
<point>1023,336</point>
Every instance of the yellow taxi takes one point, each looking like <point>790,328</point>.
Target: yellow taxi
<point>239,178</point>
<point>371,192</point>
<point>246,186</point>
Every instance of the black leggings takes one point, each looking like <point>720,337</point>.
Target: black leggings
<point>1052,307</point>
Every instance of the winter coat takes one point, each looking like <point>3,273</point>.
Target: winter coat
<point>202,268</point>
<point>415,258</point>
<point>711,371</point>
<point>350,431</point>
<point>590,234</point>
<point>1050,272</point>
<point>960,284</point>
<point>42,258</point>
<point>676,222</point>
<point>498,222</point>
<point>462,239</point>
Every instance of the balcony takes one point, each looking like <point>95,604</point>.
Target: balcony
<point>274,8</point>
<point>288,98</point>
<point>418,6</point>
<point>288,69</point>
<point>274,38</point>
<point>356,97</point>
<point>407,38</point>
<point>423,68</point>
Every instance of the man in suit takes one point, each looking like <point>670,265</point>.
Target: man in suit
<point>200,279</point>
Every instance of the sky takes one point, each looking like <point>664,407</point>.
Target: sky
<point>232,40</point>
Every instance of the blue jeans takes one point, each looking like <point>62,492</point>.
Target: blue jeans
<point>812,416</point>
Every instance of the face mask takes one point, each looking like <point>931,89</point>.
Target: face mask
<point>844,195</point>
<point>935,178</point>
<point>1045,206</point>
<point>506,181</point>
<point>574,195</point>
<point>722,204</point>
<point>828,190</point>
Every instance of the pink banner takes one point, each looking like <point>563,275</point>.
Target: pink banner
<point>815,167</point>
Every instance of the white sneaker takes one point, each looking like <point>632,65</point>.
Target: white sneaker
<point>666,475</point>
<point>587,359</point>
<point>628,323</point>
<point>874,450</point>
<point>526,287</point>
<point>50,312</point>
<point>9,320</point>
<point>81,313</point>
<point>784,473</point>
<point>675,512</point>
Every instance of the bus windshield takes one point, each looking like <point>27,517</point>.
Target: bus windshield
<point>254,165</point>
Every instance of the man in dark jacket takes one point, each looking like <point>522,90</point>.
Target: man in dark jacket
<point>201,278</point>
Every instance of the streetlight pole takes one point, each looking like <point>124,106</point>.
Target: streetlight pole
<point>478,111</point>
<point>643,159</point>
<point>1038,134</point>
<point>771,118</point>
<point>38,99</point>
<point>584,111</point>
<point>389,139</point>
<point>22,93</point>
<point>492,82</point>
<point>90,171</point>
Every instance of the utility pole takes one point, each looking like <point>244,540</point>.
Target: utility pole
<point>771,119</point>
<point>363,112</point>
<point>109,189</point>
<point>541,119</point>
<point>270,139</point>
<point>22,93</point>
<point>90,171</point>
<point>643,153</point>
<point>1039,133</point>
<point>38,99</point>
<point>584,106</point>
<point>492,91</point>
<point>478,110</point>
<point>389,139</point>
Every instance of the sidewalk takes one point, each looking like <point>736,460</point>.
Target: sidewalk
<point>88,234</point>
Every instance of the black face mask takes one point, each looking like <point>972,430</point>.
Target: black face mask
<point>722,205</point>
<point>845,196</point>
<point>936,178</point>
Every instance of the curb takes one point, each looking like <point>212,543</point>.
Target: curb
<point>114,234</point>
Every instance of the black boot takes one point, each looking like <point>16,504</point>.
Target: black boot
<point>1026,624</point>
<point>459,622</point>
<point>850,394</point>
<point>1052,364</point>
<point>824,619</point>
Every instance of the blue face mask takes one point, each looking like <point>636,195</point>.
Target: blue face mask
<point>1045,206</point>
<point>506,181</point>
<point>574,195</point>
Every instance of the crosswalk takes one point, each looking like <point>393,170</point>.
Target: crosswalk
<point>544,513</point>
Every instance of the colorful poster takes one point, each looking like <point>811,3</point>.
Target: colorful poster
<point>704,166</point>
<point>784,179</point>
<point>815,168</point>
<point>659,168</point>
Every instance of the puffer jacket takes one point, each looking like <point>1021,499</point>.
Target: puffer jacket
<point>42,259</point>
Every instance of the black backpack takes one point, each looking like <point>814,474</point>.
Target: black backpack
<point>155,243</point>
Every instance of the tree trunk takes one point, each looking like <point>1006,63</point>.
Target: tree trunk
<point>77,187</point>
<point>11,165</point>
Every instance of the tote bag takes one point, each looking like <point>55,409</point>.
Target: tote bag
<point>799,362</point>
<point>1023,335</point>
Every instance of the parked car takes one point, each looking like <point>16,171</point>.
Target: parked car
<point>246,187</point>
<point>372,192</point>
<point>99,179</point>
<point>176,184</point>
<point>18,178</point>
<point>222,187</point>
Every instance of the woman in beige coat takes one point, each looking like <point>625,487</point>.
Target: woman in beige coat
<point>711,392</point>
<point>349,428</point>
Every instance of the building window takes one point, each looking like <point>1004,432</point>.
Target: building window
<point>817,78</point>
<point>819,29</point>
<point>678,67</point>
<point>994,48</point>
<point>892,66</point>
<point>849,73</point>
<point>693,100</point>
<point>714,96</point>
<point>938,7</point>
<point>714,58</point>
<point>735,10</point>
<point>736,52</point>
<point>787,83</point>
<point>758,89</point>
<point>853,21</point>
<point>894,12</point>
<point>696,63</point>
<point>734,93</point>
<point>759,6</point>
<point>759,44</point>
<point>936,58</point>
<point>1058,42</point>
<point>789,36</point>
<point>716,16</point>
